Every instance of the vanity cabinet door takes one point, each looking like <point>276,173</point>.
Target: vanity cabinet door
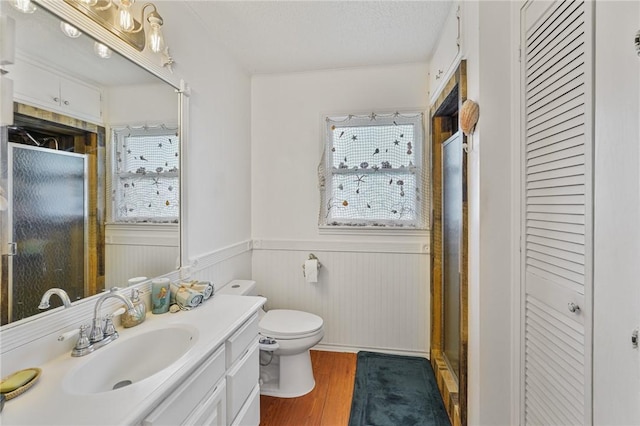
<point>212,412</point>
<point>241,380</point>
<point>249,415</point>
<point>186,400</point>
<point>80,100</point>
<point>35,86</point>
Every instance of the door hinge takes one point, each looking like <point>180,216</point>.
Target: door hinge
<point>634,339</point>
<point>13,249</point>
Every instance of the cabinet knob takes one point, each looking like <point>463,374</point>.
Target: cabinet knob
<point>56,99</point>
<point>573,308</point>
<point>440,72</point>
<point>66,102</point>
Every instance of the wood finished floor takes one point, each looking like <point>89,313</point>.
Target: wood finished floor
<point>328,404</point>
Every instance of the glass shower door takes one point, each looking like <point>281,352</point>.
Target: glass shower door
<point>47,225</point>
<point>452,247</point>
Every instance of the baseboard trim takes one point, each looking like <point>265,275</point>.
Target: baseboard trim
<point>356,349</point>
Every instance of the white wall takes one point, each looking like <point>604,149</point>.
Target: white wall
<point>287,143</point>
<point>287,136</point>
<point>616,370</point>
<point>218,198</point>
<point>487,49</point>
<point>141,104</point>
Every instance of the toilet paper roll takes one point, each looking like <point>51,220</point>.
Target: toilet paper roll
<point>311,270</point>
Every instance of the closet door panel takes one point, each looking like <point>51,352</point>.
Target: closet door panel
<point>557,209</point>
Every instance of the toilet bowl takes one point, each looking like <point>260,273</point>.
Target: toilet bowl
<point>286,336</point>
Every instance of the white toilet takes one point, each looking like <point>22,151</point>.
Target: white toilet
<point>285,365</point>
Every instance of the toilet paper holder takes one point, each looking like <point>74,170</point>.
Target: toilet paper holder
<point>311,257</point>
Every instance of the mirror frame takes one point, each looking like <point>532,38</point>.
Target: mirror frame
<point>60,318</point>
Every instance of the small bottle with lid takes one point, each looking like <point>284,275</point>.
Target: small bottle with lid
<point>139,312</point>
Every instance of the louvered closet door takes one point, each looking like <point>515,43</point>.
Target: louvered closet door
<point>556,327</point>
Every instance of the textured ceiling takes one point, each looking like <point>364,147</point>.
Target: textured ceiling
<point>291,36</point>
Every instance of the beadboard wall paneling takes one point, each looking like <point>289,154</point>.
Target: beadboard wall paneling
<point>368,300</point>
<point>223,265</point>
<point>148,250</point>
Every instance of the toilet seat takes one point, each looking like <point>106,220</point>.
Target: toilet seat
<point>289,324</point>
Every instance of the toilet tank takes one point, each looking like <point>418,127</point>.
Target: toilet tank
<point>239,288</point>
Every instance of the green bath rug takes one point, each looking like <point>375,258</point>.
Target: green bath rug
<point>394,390</point>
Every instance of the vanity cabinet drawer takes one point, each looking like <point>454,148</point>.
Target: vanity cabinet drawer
<point>183,401</point>
<point>241,380</point>
<point>212,412</point>
<point>241,339</point>
<point>249,415</point>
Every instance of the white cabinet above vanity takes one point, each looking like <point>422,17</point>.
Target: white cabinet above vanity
<point>44,88</point>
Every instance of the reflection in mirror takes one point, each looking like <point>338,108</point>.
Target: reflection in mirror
<point>90,169</point>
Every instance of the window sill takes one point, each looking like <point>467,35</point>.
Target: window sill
<point>370,230</point>
<point>146,234</point>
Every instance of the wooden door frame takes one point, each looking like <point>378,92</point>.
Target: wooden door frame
<point>444,123</point>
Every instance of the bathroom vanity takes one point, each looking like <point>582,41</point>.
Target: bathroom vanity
<point>192,367</point>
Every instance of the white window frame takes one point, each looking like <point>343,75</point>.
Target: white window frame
<point>326,171</point>
<point>116,201</point>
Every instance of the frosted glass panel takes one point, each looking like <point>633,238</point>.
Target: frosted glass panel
<point>452,232</point>
<point>47,216</point>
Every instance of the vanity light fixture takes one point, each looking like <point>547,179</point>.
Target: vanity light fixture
<point>24,6</point>
<point>117,16</point>
<point>125,18</point>
<point>69,30</point>
<point>101,50</point>
<point>131,26</point>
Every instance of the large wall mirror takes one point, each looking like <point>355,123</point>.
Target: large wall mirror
<point>90,169</point>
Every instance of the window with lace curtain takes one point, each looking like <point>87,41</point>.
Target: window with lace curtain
<point>372,173</point>
<point>146,177</point>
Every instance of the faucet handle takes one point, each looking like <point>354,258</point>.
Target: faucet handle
<point>109,328</point>
<point>83,345</point>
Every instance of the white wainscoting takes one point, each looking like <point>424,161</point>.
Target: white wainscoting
<point>372,296</point>
<point>134,250</point>
<point>223,265</point>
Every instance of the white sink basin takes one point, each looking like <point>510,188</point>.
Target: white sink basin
<point>129,361</point>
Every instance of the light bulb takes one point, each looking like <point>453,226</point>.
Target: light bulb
<point>156,40</point>
<point>70,30</point>
<point>124,16</point>
<point>101,50</point>
<point>90,2</point>
<point>24,6</point>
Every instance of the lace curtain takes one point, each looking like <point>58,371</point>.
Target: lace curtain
<point>146,179</point>
<point>372,173</point>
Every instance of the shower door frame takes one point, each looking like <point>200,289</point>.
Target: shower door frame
<point>444,124</point>
<point>10,237</point>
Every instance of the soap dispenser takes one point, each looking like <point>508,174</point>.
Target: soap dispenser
<point>139,312</point>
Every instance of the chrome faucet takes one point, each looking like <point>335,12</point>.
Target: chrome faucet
<point>44,302</point>
<point>108,333</point>
<point>99,336</point>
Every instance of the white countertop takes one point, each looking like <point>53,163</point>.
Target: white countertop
<point>49,403</point>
